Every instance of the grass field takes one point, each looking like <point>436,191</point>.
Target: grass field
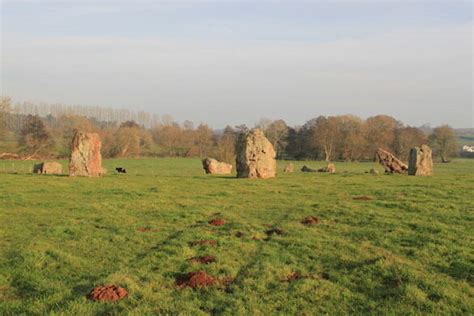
<point>409,250</point>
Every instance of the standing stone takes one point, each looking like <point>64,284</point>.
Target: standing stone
<point>48,168</point>
<point>289,168</point>
<point>255,156</point>
<point>86,159</point>
<point>212,166</point>
<point>421,161</point>
<point>390,163</point>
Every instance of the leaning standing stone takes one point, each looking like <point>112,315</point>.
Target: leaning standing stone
<point>421,161</point>
<point>86,159</point>
<point>255,156</point>
<point>390,163</point>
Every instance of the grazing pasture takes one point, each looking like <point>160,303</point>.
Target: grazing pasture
<point>301,243</point>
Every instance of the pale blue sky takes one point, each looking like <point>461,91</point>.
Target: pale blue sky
<point>232,62</point>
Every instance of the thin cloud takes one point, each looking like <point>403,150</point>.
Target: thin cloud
<point>406,74</point>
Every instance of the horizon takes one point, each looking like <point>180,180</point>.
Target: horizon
<point>233,63</point>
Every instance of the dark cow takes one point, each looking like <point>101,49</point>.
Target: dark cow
<point>120,170</point>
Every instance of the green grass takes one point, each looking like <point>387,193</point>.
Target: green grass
<point>407,251</point>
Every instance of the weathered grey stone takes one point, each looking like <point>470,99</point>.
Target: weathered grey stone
<point>255,156</point>
<point>421,161</point>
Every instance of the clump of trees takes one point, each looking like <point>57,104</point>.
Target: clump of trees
<point>329,138</point>
<point>444,142</point>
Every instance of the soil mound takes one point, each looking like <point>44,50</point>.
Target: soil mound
<point>294,276</point>
<point>147,230</point>
<point>208,242</point>
<point>108,293</point>
<point>363,198</point>
<point>275,230</point>
<point>217,222</point>
<point>203,259</point>
<point>310,220</point>
<point>196,279</point>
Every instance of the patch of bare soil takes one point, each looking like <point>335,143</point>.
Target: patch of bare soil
<point>147,230</point>
<point>217,222</point>
<point>363,198</point>
<point>310,220</point>
<point>275,230</point>
<point>207,242</point>
<point>198,279</point>
<point>203,259</point>
<point>108,293</point>
<point>293,276</point>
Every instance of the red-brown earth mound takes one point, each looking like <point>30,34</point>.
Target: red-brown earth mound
<point>217,222</point>
<point>203,259</point>
<point>310,220</point>
<point>363,198</point>
<point>146,230</point>
<point>196,279</point>
<point>294,276</point>
<point>275,230</point>
<point>108,293</point>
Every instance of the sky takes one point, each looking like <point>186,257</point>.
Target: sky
<point>233,62</point>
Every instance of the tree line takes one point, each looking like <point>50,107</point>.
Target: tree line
<point>43,134</point>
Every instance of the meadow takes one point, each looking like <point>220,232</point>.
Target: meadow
<point>404,247</point>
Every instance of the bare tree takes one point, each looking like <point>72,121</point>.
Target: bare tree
<point>34,137</point>
<point>380,133</point>
<point>444,142</point>
<point>406,138</point>
<point>277,134</point>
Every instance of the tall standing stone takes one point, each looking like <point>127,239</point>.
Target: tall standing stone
<point>255,156</point>
<point>86,159</point>
<point>421,161</point>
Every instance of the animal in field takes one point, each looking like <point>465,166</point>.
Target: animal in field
<point>120,170</point>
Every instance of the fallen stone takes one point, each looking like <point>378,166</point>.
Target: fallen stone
<point>308,169</point>
<point>48,168</point>
<point>212,166</point>
<point>330,168</point>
